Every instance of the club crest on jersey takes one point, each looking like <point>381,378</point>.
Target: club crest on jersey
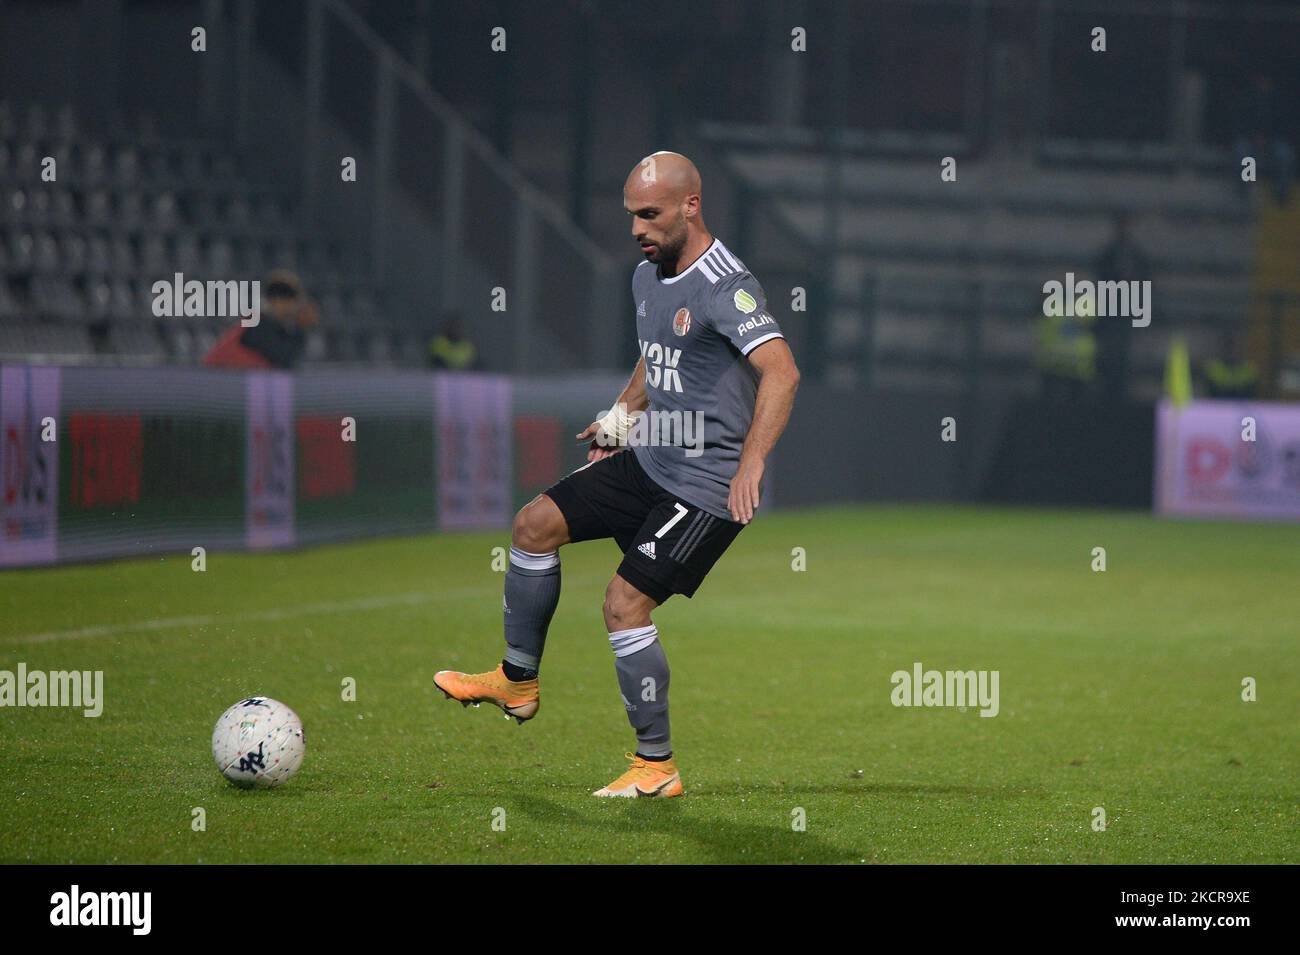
<point>682,322</point>
<point>744,301</point>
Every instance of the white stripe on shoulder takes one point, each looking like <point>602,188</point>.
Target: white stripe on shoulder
<point>720,265</point>
<point>758,341</point>
<point>731,259</point>
<point>708,272</point>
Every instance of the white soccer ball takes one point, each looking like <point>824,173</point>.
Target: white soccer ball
<point>258,742</point>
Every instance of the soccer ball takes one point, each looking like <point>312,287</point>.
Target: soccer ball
<point>258,743</point>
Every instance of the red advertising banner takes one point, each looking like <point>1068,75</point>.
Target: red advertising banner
<point>107,458</point>
<point>327,465</point>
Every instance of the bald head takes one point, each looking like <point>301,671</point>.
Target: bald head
<point>662,194</point>
<point>670,175</point>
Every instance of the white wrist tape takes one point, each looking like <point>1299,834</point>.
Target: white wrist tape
<point>617,425</point>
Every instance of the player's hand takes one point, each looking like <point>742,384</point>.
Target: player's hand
<point>742,502</point>
<point>597,450</point>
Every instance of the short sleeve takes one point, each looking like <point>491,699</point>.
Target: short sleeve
<point>738,312</point>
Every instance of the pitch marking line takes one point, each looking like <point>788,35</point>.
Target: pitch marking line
<point>271,613</point>
<point>412,599</point>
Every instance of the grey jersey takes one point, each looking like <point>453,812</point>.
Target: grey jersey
<point>695,330</point>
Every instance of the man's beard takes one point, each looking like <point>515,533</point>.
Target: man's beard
<point>667,252</point>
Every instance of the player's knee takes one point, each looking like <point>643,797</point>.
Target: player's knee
<point>617,612</point>
<point>527,533</point>
<point>625,607</point>
<point>535,530</point>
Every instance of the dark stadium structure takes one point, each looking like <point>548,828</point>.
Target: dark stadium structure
<point>472,174</point>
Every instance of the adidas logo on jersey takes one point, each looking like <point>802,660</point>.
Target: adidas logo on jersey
<point>640,309</point>
<point>648,548</point>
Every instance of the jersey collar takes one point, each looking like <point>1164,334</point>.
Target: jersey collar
<point>690,268</point>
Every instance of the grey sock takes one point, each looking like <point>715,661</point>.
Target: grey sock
<point>642,670</point>
<point>531,595</point>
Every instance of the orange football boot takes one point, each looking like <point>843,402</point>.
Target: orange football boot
<point>519,700</point>
<point>645,779</point>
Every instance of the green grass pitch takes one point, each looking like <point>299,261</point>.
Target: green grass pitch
<point>1120,689</point>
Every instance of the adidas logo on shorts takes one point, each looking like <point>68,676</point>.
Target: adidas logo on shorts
<point>648,548</point>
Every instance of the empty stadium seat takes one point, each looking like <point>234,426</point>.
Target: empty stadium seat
<point>130,210</point>
<point>15,205</point>
<point>22,246</point>
<point>27,163</point>
<point>126,166</point>
<point>187,256</point>
<point>94,165</point>
<point>8,304</point>
<point>163,213</point>
<point>98,258</point>
<point>99,208</point>
<point>38,207</point>
<point>45,257</point>
<point>136,341</point>
<point>122,255</point>
<point>45,341</point>
<point>154,259</point>
<point>63,210</point>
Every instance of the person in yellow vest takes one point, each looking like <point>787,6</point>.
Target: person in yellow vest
<point>450,349</point>
<point>1065,350</point>
<point>1231,374</point>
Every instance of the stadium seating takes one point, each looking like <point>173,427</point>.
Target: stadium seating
<point>79,255</point>
<point>928,255</point>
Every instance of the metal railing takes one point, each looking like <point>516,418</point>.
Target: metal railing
<point>445,223</point>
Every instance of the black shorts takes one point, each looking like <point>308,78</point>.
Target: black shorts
<point>668,545</point>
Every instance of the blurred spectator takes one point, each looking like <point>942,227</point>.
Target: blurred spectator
<point>278,339</point>
<point>450,349</point>
<point>1066,350</point>
<point>1121,261</point>
<point>1231,374</point>
<point>1263,135</point>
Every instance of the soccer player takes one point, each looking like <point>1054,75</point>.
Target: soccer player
<point>710,353</point>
